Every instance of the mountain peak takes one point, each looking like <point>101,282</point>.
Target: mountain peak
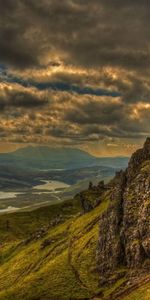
<point>124,238</point>
<point>147,144</point>
<point>137,159</point>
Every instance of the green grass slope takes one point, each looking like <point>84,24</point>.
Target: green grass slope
<point>58,263</point>
<point>50,254</point>
<point>142,293</point>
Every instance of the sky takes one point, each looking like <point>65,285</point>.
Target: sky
<point>75,73</point>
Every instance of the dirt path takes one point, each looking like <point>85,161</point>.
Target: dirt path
<point>75,271</point>
<point>70,250</point>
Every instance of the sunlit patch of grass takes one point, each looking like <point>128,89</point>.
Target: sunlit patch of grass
<point>146,167</point>
<point>142,293</point>
<point>109,290</point>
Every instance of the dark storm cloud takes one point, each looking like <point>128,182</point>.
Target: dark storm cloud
<point>82,66</point>
<point>135,90</point>
<point>110,118</point>
<point>93,112</point>
<point>97,33</point>
<point>64,86</point>
<point>138,91</point>
<point>25,99</point>
<point>17,45</point>
<point>88,33</point>
<point>123,130</point>
<point>16,97</point>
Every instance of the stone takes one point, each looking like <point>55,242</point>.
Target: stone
<point>124,235</point>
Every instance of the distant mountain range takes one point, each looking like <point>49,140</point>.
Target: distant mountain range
<point>26,167</point>
<point>45,158</point>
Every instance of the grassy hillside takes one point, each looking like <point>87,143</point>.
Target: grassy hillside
<point>140,293</point>
<point>50,254</point>
<point>35,265</point>
<point>20,225</point>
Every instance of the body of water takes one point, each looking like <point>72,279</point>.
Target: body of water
<point>46,187</point>
<point>9,209</point>
<point>52,186</point>
<point>8,195</point>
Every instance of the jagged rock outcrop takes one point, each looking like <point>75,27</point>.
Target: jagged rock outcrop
<point>92,197</point>
<point>137,159</point>
<point>124,237</point>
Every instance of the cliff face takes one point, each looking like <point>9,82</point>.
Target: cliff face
<point>124,236</point>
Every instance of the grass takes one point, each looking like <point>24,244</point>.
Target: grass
<point>21,224</point>
<point>146,167</point>
<point>142,293</point>
<point>64,269</point>
<point>48,283</point>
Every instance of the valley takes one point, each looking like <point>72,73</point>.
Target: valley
<point>23,173</point>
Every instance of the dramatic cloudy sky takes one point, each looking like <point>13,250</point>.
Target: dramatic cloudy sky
<point>75,73</point>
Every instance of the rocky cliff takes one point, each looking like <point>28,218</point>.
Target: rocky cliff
<point>124,234</point>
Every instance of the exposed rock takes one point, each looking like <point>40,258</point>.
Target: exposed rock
<point>86,204</point>
<point>101,184</point>
<point>92,197</point>
<point>137,159</point>
<point>45,243</point>
<point>42,232</point>
<point>57,220</point>
<point>124,237</point>
<point>39,234</point>
<point>110,248</point>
